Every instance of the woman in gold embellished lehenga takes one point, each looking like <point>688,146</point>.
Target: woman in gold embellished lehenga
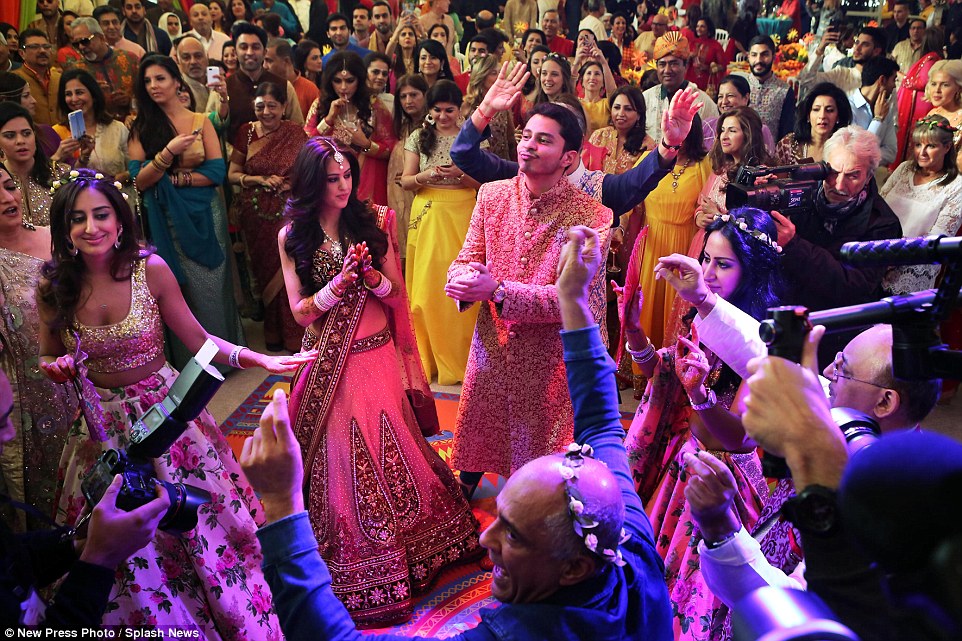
<point>42,410</point>
<point>104,302</point>
<point>386,510</point>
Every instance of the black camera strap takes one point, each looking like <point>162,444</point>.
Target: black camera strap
<point>66,532</point>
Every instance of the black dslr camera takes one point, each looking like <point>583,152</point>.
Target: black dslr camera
<point>793,190</point>
<point>784,333</point>
<point>150,437</point>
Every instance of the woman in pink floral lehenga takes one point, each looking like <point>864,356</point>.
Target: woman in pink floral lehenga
<point>690,404</point>
<point>104,302</point>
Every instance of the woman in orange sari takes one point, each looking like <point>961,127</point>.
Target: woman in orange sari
<point>386,510</point>
<point>263,154</point>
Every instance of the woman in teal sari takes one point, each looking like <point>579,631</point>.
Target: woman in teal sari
<point>176,164</point>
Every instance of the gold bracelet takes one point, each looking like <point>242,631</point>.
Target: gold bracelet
<point>416,182</point>
<point>243,177</point>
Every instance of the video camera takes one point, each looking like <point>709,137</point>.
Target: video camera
<point>794,191</point>
<point>150,437</point>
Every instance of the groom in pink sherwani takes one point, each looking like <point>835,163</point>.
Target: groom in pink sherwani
<point>514,404</point>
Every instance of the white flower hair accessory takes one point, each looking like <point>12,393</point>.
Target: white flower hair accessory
<point>742,224</point>
<point>584,525</point>
<point>76,176</point>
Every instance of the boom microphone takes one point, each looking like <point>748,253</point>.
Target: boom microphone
<point>903,251</point>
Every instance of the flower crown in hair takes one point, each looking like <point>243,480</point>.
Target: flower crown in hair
<point>742,224</point>
<point>571,466</point>
<point>76,176</point>
<point>930,123</point>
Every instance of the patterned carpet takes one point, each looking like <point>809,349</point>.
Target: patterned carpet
<point>460,592</point>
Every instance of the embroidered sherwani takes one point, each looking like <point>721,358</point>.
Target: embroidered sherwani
<point>515,405</point>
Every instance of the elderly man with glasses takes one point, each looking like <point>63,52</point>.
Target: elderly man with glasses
<point>114,69</point>
<point>43,80</point>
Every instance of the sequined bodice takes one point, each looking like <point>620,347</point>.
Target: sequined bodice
<point>133,342</point>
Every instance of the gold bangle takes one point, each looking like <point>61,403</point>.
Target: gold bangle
<point>241,180</point>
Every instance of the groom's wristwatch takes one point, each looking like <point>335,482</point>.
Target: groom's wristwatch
<point>499,294</point>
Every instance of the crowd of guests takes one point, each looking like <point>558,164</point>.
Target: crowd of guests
<point>389,190</point>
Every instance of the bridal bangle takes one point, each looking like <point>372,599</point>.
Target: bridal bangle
<point>641,356</point>
<point>234,359</point>
<point>383,288</point>
<point>325,298</point>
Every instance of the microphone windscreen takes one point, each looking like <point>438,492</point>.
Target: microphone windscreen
<point>902,496</point>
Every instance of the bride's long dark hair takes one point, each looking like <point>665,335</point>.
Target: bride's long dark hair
<point>358,221</point>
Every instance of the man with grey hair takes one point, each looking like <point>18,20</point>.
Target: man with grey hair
<point>847,208</point>
<point>191,58</point>
<point>113,69</point>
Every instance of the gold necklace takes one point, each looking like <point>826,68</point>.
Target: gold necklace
<point>675,177</point>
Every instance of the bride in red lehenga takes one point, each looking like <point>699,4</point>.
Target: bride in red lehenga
<point>386,510</point>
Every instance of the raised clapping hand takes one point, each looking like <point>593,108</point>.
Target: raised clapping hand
<point>685,275</point>
<point>676,121</point>
<point>506,90</point>
<point>629,311</point>
<point>580,261</point>
<point>691,365</point>
<point>271,459</point>
<point>711,494</point>
<point>476,286</point>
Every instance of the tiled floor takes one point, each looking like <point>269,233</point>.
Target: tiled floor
<point>946,419</point>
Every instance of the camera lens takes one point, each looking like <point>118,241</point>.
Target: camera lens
<point>185,501</point>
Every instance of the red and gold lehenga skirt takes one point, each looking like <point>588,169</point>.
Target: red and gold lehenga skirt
<point>387,511</point>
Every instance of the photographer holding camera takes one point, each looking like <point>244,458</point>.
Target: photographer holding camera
<point>32,560</point>
<point>881,549</point>
<point>847,207</point>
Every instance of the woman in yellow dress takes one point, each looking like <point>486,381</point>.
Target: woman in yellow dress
<point>670,211</point>
<point>440,215</point>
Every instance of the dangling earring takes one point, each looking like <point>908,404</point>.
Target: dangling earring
<point>117,242</point>
<point>71,248</point>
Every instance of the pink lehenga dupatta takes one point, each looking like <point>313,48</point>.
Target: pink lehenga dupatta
<point>315,383</point>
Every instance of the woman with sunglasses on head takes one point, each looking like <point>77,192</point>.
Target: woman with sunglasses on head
<point>176,165</point>
<point>346,112</point>
<point>105,303</point>
<point>692,404</point>
<point>926,195</point>
<point>387,511</point>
